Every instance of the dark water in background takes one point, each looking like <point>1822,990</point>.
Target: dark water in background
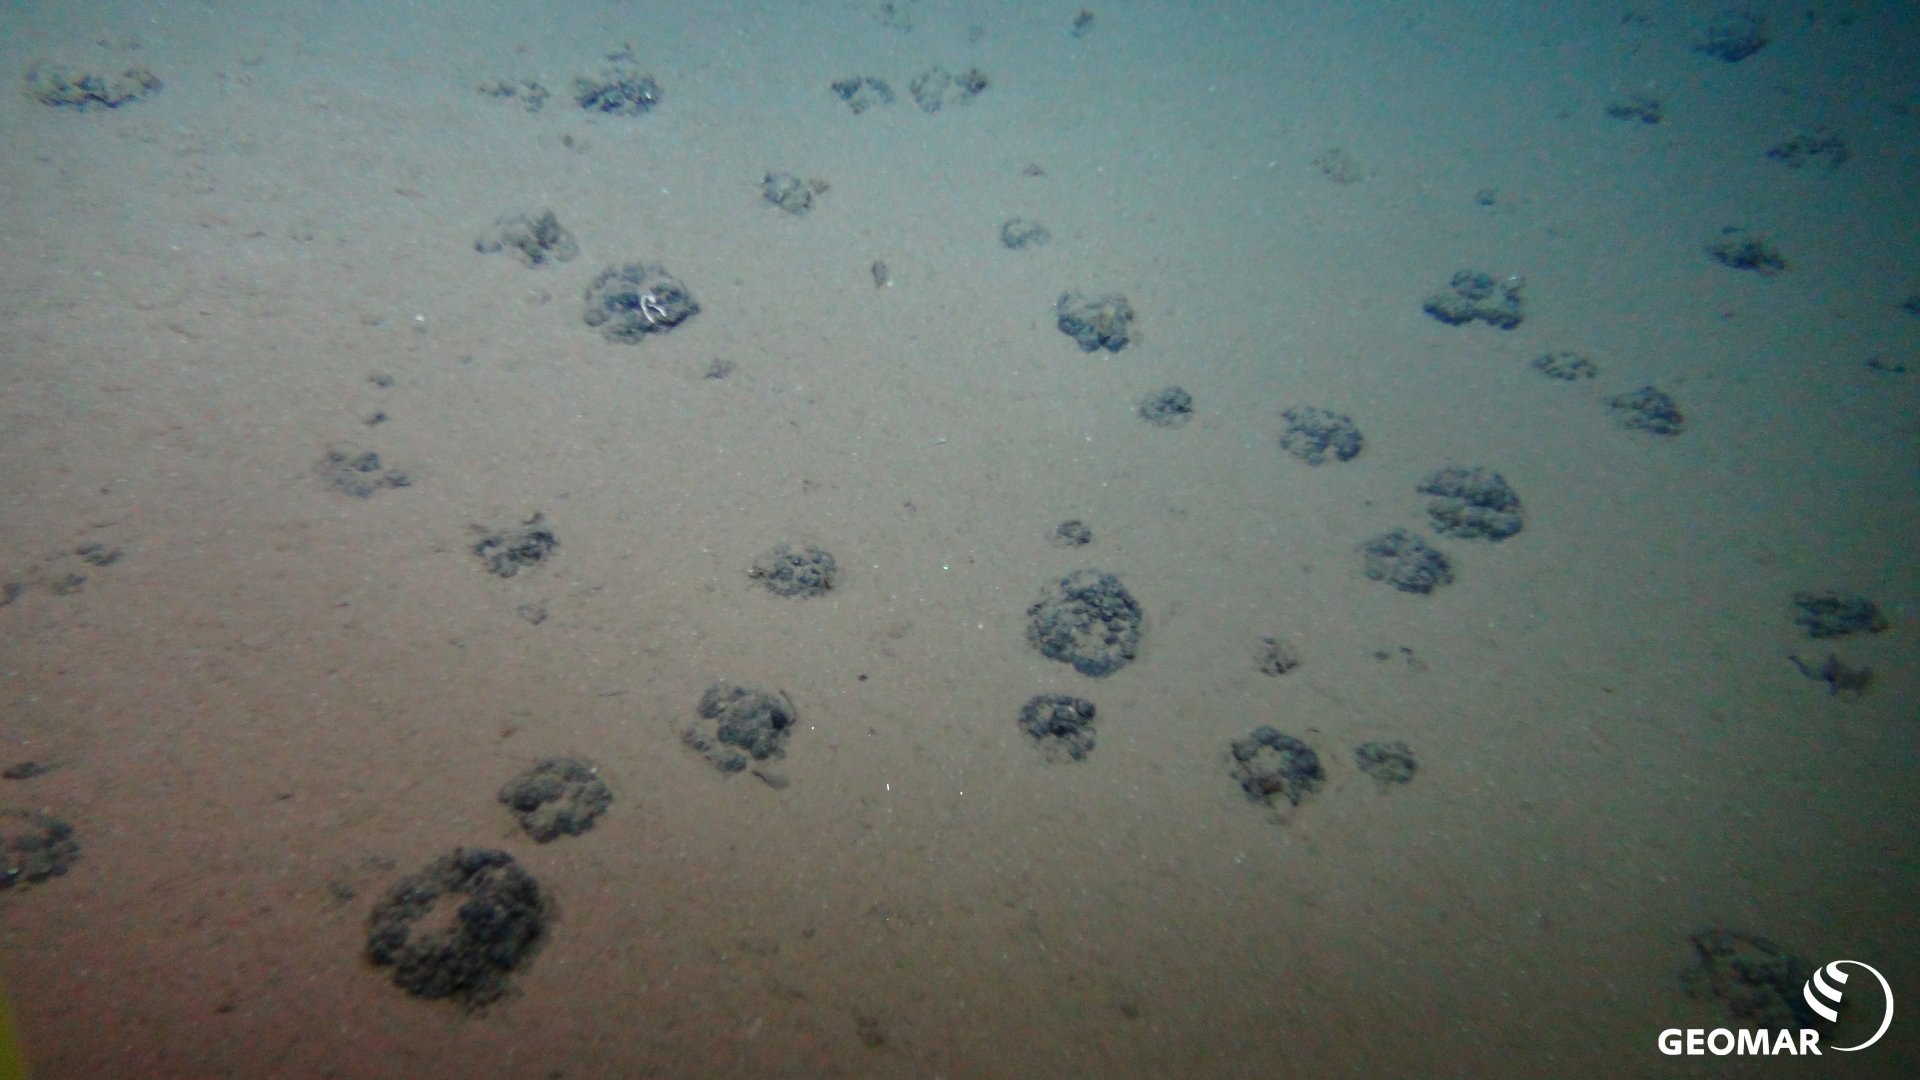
<point>280,698</point>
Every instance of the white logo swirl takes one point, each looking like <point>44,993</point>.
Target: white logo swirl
<point>1826,984</point>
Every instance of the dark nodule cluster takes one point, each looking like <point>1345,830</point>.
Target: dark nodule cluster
<point>34,847</point>
<point>1471,504</point>
<point>630,302</point>
<point>1829,614</point>
<point>1475,295</point>
<point>790,570</point>
<point>1641,107</point>
<point>1832,614</point>
<point>1839,676</point>
<point>506,552</point>
<point>1759,982</point>
<point>1737,248</point>
<point>1061,724</point>
<point>359,473</point>
<point>557,797</point>
<point>1095,322</point>
<point>1169,407</point>
<point>536,238</point>
<point>1648,409</point>
<point>1387,762</point>
<point>937,88</point>
<point>740,725</point>
<point>1733,36</point>
<point>1564,365</point>
<point>1401,559</point>
<point>933,89</point>
<point>1019,233</point>
<point>1466,503</point>
<point>862,92</point>
<point>458,928</point>
<point>1804,148</point>
<point>790,193</point>
<point>1277,657</point>
<point>1269,765</point>
<point>532,94</point>
<point>1071,534</point>
<point>66,88</point>
<point>618,90</point>
<point>1088,620</point>
<point>1313,434</point>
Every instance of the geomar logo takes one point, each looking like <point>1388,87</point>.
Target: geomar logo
<point>1822,993</point>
